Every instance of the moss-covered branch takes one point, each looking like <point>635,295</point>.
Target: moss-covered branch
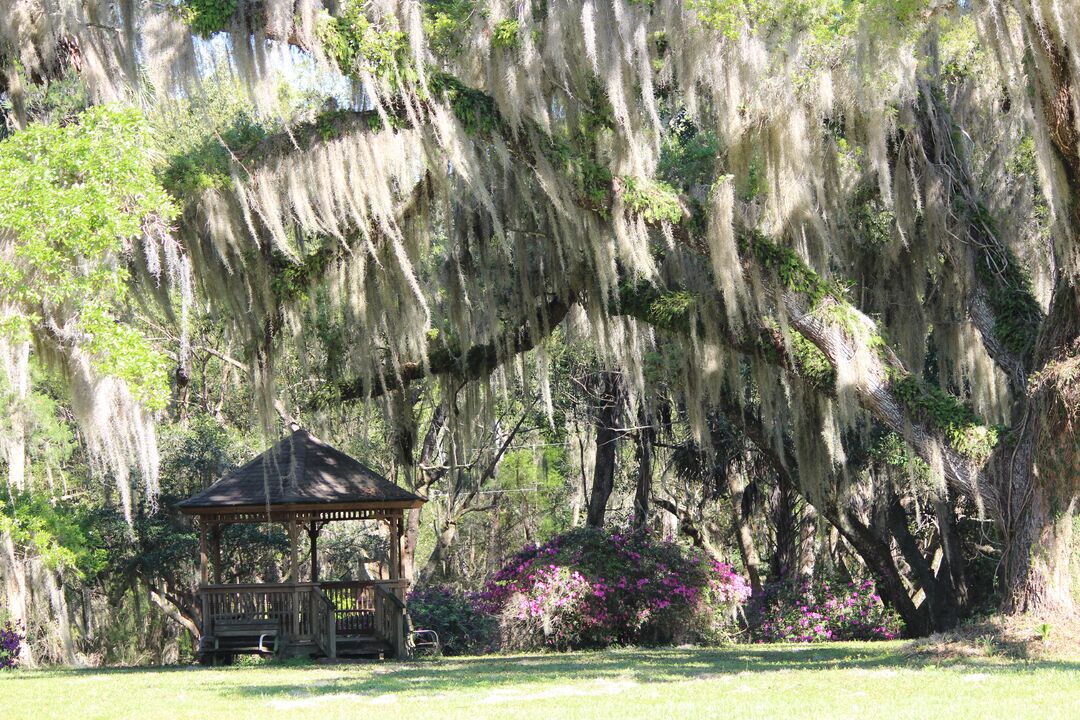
<point>464,364</point>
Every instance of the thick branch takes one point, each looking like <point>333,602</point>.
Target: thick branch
<point>473,363</point>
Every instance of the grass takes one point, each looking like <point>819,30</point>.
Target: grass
<point>843,680</point>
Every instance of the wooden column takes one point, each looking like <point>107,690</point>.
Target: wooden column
<point>204,570</point>
<point>294,562</point>
<point>313,536</point>
<point>294,558</point>
<point>395,548</point>
<point>215,546</point>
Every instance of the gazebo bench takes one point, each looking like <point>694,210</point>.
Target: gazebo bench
<point>233,634</point>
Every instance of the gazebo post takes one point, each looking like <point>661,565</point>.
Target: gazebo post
<point>215,545</point>
<point>395,548</point>
<point>294,558</point>
<point>294,561</point>
<point>204,570</point>
<point>313,535</point>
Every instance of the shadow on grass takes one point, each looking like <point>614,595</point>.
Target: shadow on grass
<point>639,666</point>
<point>492,672</point>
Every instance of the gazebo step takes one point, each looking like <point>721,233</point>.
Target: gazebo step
<point>362,646</point>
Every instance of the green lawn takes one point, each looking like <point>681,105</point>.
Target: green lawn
<point>850,680</point>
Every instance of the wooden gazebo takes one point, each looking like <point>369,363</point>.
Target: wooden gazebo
<point>305,484</point>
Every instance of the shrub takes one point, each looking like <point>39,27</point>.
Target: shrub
<point>463,626</point>
<point>821,611</point>
<point>590,588</point>
<point>10,639</point>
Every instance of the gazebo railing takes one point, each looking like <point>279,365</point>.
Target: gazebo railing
<point>390,619</point>
<point>355,606</point>
<point>324,625</point>
<point>319,613</point>
<point>293,607</point>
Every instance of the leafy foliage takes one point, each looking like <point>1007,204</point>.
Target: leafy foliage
<point>960,424</point>
<point>505,34</point>
<point>206,17</point>
<point>356,43</point>
<point>61,534</point>
<point>78,198</point>
<point>464,628</point>
<point>655,201</point>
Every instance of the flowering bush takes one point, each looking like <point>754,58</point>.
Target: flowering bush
<point>817,612</point>
<point>10,639</point>
<point>591,588</point>
<point>462,625</point>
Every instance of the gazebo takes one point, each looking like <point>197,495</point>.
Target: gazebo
<point>305,484</point>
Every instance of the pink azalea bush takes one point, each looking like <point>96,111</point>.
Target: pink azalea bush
<point>822,611</point>
<point>589,588</point>
<point>10,639</point>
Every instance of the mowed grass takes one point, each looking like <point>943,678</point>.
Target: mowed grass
<point>844,680</point>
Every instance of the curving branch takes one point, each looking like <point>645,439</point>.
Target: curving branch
<point>473,363</point>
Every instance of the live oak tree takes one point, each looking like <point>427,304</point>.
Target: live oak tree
<point>849,220</point>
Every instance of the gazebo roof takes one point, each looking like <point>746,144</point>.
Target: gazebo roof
<point>300,472</point>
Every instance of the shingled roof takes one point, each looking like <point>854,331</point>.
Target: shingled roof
<point>301,470</point>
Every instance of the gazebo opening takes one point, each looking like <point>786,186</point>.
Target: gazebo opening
<point>304,484</point>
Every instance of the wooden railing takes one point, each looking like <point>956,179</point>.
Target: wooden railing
<point>323,623</point>
<point>291,605</point>
<point>319,613</point>
<point>390,619</point>
<point>354,603</point>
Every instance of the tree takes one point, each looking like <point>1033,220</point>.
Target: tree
<point>803,197</point>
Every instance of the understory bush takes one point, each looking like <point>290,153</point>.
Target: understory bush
<point>10,639</point>
<point>591,588</point>
<point>461,622</point>
<point>820,611</point>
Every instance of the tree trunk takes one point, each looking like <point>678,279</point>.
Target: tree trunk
<point>645,438</point>
<point>784,562</point>
<point>879,560</point>
<point>408,546</point>
<point>1036,478</point>
<point>954,566</point>
<point>744,536</point>
<point>14,572</point>
<point>607,430</point>
<point>437,563</point>
<point>939,604</point>
<point>1038,509</point>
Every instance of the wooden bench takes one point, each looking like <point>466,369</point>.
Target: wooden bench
<point>234,633</point>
